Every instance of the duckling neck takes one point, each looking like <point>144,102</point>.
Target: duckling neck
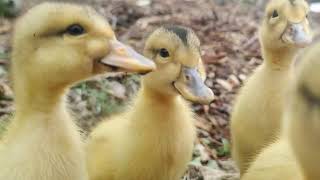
<point>31,101</point>
<point>151,94</point>
<point>152,104</point>
<point>278,58</point>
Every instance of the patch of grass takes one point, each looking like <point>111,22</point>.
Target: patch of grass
<point>4,55</point>
<point>4,121</point>
<point>3,8</point>
<point>225,149</point>
<point>2,127</point>
<point>9,8</point>
<point>99,101</point>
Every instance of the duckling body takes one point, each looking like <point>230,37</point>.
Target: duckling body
<point>267,114</point>
<point>154,139</point>
<point>55,45</point>
<point>45,145</point>
<point>257,114</point>
<point>294,155</point>
<point>303,127</point>
<point>276,162</point>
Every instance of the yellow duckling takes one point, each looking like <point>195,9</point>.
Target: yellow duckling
<point>153,140</point>
<point>256,118</point>
<point>54,46</point>
<point>304,115</point>
<point>294,155</point>
<point>276,162</point>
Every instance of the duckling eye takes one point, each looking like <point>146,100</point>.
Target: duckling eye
<point>275,14</point>
<point>75,30</point>
<point>164,53</point>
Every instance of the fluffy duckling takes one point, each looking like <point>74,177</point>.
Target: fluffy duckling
<point>276,162</point>
<point>153,140</point>
<point>256,117</point>
<point>304,115</point>
<point>295,154</point>
<point>54,46</point>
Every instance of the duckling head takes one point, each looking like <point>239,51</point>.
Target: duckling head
<point>176,53</point>
<point>58,44</point>
<point>286,24</point>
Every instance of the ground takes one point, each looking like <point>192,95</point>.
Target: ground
<point>230,47</point>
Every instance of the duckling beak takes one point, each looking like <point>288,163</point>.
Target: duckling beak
<point>127,59</point>
<point>192,87</point>
<point>297,34</point>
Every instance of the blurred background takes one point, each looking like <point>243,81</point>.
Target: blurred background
<point>230,48</point>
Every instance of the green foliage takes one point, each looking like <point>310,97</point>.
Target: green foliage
<point>196,162</point>
<point>9,7</point>
<point>248,1</point>
<point>3,125</point>
<point>224,150</point>
<point>3,8</point>
<point>4,55</point>
<point>99,100</point>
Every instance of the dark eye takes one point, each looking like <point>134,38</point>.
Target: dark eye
<point>164,53</point>
<point>275,14</point>
<point>75,30</point>
<point>307,16</point>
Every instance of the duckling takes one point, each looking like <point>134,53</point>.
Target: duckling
<point>276,162</point>
<point>257,113</point>
<point>304,114</point>
<point>295,155</point>
<point>153,140</point>
<point>54,46</point>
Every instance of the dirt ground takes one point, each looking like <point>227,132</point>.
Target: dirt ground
<point>230,47</point>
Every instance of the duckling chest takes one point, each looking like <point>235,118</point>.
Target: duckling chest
<point>263,96</point>
<point>42,153</point>
<point>162,151</point>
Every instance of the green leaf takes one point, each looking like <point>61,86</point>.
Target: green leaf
<point>213,164</point>
<point>4,56</point>
<point>196,162</point>
<point>224,150</point>
<point>3,126</point>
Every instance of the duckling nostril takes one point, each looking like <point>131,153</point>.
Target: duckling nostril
<point>291,31</point>
<point>188,77</point>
